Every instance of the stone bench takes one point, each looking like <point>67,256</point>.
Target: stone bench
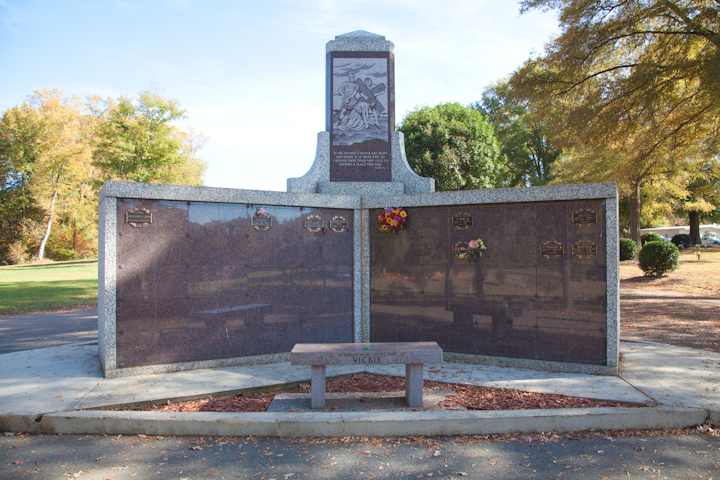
<point>412,354</point>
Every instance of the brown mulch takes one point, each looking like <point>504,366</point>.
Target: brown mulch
<point>681,309</point>
<point>465,396</point>
<point>683,322</point>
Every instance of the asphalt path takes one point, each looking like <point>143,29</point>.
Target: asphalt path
<point>689,455</point>
<point>47,330</point>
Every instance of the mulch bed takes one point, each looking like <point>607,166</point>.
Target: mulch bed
<point>467,396</point>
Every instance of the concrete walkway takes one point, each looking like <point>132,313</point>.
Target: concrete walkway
<point>49,390</point>
<point>27,332</point>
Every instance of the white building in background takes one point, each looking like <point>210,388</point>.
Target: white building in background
<point>670,232</point>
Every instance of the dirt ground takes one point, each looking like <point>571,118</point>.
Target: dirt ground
<point>682,308</point>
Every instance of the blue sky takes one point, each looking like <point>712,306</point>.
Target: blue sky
<point>252,73</point>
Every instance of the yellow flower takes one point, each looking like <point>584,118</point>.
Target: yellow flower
<point>384,227</point>
<point>403,214</point>
<point>391,222</point>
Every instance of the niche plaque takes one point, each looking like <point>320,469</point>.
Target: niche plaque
<point>314,223</point>
<point>584,218</point>
<point>261,221</point>
<point>552,250</point>
<point>585,249</point>
<point>138,217</point>
<point>338,224</point>
<point>462,221</point>
<point>460,248</point>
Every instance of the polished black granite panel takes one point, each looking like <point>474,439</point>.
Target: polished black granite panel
<point>201,282</point>
<point>538,291</point>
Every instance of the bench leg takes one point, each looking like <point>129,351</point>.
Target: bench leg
<point>414,384</point>
<point>317,386</point>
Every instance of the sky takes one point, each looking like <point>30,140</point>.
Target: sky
<point>251,74</point>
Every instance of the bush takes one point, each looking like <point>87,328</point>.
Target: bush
<point>658,258</point>
<point>682,239</point>
<point>650,237</point>
<point>628,249</point>
<point>17,253</point>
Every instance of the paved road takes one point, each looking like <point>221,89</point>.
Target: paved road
<point>47,330</point>
<point>691,455</point>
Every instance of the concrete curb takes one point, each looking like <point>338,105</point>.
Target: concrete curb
<point>300,424</point>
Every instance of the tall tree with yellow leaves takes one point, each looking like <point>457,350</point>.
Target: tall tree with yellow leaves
<point>62,157</point>
<point>639,83</point>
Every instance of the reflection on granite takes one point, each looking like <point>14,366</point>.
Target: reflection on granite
<point>515,300</point>
<point>200,283</point>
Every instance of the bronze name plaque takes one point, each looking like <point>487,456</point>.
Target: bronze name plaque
<point>314,223</point>
<point>261,221</point>
<point>459,248</point>
<point>138,217</point>
<point>585,249</point>
<point>338,224</point>
<point>552,250</point>
<point>584,218</point>
<point>462,221</point>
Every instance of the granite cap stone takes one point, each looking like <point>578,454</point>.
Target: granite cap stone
<point>359,41</point>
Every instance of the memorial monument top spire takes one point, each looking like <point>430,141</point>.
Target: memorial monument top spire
<point>360,153</point>
<point>359,41</point>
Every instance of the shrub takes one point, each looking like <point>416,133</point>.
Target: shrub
<point>628,249</point>
<point>682,239</point>
<point>650,237</point>
<point>658,258</point>
<point>17,253</point>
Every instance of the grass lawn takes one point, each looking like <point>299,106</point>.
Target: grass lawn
<point>47,286</point>
<point>693,277</point>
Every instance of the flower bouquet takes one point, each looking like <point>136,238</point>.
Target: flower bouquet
<point>474,248</point>
<point>392,219</point>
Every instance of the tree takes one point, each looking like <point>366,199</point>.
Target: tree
<point>62,153</point>
<point>138,143</point>
<point>703,194</point>
<point>639,81</point>
<point>19,129</point>
<point>56,152</point>
<point>526,137</point>
<point>453,144</point>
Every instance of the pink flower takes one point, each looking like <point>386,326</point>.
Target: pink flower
<point>473,244</point>
<point>388,210</point>
<point>261,211</point>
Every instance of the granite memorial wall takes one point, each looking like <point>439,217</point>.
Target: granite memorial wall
<point>538,291</point>
<point>201,281</point>
<point>195,277</point>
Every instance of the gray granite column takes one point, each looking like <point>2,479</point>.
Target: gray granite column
<point>613,282</point>
<point>107,283</point>
<point>358,259</point>
<point>365,275</point>
<point>317,386</point>
<point>414,384</point>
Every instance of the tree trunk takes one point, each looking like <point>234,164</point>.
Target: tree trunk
<point>51,214</point>
<point>635,215</point>
<point>695,228</point>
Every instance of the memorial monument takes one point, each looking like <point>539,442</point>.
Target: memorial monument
<point>359,249</point>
